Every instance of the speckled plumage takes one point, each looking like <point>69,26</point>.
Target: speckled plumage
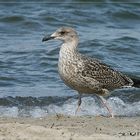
<point>88,75</point>
<point>82,73</point>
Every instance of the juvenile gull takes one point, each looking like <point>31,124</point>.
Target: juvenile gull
<point>84,74</point>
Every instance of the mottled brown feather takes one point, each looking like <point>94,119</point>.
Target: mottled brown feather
<point>106,76</point>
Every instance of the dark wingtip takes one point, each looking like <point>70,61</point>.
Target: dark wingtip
<point>136,82</point>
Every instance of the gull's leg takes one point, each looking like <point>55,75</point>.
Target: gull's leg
<point>104,102</point>
<point>79,103</point>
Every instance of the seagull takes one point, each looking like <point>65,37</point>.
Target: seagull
<point>84,74</point>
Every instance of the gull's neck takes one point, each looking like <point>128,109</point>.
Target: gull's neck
<point>68,48</point>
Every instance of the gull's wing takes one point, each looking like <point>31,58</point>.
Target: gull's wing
<point>106,76</point>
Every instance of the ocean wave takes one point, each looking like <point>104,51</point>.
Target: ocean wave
<point>90,106</point>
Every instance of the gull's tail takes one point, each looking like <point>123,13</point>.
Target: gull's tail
<point>136,82</point>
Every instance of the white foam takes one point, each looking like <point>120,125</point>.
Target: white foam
<point>89,106</point>
<point>8,111</point>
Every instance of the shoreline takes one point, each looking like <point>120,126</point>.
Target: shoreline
<point>69,128</point>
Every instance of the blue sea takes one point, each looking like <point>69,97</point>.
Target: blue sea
<point>30,85</point>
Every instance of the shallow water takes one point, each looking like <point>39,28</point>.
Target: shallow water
<point>29,81</point>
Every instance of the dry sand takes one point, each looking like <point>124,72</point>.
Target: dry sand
<point>70,128</point>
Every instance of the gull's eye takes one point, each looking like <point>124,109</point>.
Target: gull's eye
<point>62,32</point>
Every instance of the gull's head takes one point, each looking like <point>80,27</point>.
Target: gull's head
<point>64,34</point>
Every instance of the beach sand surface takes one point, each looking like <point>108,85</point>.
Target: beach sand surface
<point>60,127</point>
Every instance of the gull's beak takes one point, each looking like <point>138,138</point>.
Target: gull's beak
<point>46,38</point>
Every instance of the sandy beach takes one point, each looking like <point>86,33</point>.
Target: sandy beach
<point>61,127</point>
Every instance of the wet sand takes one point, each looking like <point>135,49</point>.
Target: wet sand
<point>61,127</point>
